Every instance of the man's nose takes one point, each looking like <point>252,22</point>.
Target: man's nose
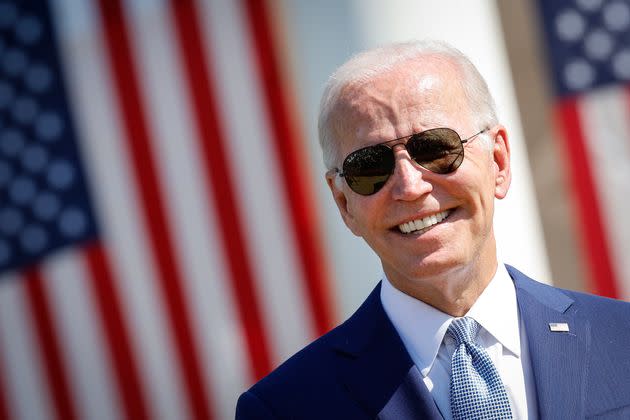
<point>408,180</point>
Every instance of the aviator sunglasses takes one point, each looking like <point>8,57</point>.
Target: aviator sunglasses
<point>439,150</point>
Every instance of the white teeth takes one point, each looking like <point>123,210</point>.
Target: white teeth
<point>420,224</point>
<point>407,227</point>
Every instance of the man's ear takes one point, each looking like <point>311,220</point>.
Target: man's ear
<point>335,183</point>
<point>501,154</point>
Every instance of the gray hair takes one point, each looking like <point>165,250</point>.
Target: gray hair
<point>367,65</point>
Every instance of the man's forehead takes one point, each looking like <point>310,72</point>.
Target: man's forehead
<point>416,77</point>
<point>395,96</point>
<point>401,98</point>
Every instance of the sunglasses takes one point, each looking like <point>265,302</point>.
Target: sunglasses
<point>439,150</point>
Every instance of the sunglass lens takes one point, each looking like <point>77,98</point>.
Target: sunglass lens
<point>439,150</point>
<point>366,170</point>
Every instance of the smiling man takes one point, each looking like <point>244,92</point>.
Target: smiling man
<point>416,159</point>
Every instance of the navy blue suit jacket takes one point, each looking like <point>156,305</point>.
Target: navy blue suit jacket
<point>361,370</point>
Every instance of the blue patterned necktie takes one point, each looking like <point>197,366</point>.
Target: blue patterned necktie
<point>476,388</point>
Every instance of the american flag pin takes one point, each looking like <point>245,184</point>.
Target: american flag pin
<point>558,327</point>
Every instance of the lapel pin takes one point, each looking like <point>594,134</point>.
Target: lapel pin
<point>558,327</point>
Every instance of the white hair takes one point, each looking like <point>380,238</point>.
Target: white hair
<point>369,64</point>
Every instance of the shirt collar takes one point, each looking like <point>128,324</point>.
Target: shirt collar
<point>497,311</point>
<point>422,327</point>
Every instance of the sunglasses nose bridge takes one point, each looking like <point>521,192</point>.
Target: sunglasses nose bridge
<point>400,151</point>
<point>397,145</point>
<point>408,179</point>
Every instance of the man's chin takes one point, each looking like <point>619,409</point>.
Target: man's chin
<point>432,267</point>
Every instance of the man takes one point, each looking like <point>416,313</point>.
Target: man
<point>416,158</point>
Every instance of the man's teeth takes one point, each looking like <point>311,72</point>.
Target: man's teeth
<point>420,224</point>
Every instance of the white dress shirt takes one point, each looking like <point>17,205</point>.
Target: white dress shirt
<point>423,332</point>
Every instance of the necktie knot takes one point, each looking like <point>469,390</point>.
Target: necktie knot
<point>463,330</point>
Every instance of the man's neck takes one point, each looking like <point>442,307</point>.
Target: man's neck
<point>453,292</point>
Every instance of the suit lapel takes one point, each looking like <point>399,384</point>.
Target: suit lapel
<point>411,400</point>
<point>377,370</point>
<point>558,358</point>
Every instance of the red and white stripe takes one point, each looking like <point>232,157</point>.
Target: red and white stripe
<point>595,131</point>
<point>209,271</point>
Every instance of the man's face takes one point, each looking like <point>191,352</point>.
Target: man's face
<point>414,98</point>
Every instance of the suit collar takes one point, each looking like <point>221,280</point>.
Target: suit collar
<point>379,373</point>
<point>559,359</point>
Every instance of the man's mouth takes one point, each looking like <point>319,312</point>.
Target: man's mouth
<point>421,224</point>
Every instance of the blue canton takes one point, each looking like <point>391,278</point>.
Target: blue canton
<point>588,43</point>
<point>44,200</point>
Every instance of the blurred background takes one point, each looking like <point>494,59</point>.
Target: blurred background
<point>166,234</point>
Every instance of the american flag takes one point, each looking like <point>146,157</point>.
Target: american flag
<point>588,45</point>
<point>156,222</point>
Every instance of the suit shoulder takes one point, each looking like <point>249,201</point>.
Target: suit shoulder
<point>307,381</point>
<point>313,378</point>
<point>249,406</point>
<point>595,308</point>
<point>310,363</point>
<point>599,306</point>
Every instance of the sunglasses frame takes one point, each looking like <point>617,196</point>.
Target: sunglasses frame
<point>404,140</point>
